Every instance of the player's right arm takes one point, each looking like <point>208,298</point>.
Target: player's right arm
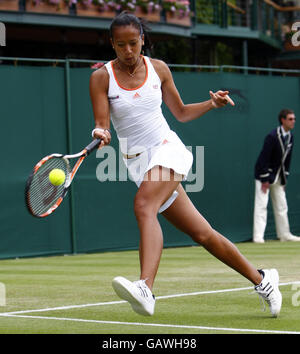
<point>99,83</point>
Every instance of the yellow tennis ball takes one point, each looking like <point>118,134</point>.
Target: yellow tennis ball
<point>57,177</point>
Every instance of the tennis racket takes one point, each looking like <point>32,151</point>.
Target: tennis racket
<point>41,196</point>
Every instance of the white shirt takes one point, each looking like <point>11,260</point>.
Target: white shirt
<point>136,113</point>
<point>284,133</point>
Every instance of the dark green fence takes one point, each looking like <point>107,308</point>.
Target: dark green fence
<point>47,109</point>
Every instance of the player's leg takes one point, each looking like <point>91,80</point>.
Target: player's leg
<point>186,217</point>
<point>157,187</point>
<point>151,195</point>
<point>183,215</point>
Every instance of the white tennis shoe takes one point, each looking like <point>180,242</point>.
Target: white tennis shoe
<point>290,237</point>
<point>269,291</point>
<point>136,293</point>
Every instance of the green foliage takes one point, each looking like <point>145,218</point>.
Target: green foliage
<point>208,11</point>
<point>224,54</point>
<point>175,51</point>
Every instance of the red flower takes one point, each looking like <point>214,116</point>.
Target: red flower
<point>97,65</point>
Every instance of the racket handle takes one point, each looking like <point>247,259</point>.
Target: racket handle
<point>92,146</point>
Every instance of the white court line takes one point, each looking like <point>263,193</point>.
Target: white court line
<point>122,301</point>
<point>156,325</point>
<point>19,314</point>
<point>63,308</point>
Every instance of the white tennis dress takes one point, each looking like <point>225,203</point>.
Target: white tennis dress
<point>142,129</point>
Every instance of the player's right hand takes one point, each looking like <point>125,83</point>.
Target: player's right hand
<point>104,135</point>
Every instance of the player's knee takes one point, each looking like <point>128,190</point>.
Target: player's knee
<point>144,207</point>
<point>203,236</point>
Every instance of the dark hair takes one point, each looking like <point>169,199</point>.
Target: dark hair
<point>126,18</point>
<point>283,113</point>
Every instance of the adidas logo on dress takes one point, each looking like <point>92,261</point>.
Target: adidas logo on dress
<point>136,95</point>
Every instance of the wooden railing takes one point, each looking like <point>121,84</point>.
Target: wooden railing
<point>282,8</point>
<point>261,15</point>
<point>236,8</point>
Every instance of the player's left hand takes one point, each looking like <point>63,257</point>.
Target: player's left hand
<point>220,98</point>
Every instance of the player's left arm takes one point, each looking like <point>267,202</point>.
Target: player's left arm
<point>185,112</point>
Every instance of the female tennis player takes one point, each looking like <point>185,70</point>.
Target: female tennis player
<point>129,91</point>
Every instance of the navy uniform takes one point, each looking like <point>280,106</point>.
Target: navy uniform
<point>273,165</point>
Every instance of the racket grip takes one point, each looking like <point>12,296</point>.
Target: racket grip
<point>92,146</point>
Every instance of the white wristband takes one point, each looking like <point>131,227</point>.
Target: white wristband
<point>97,129</point>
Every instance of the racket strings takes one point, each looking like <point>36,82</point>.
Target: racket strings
<point>42,194</point>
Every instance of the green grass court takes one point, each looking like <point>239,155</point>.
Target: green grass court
<point>196,294</point>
